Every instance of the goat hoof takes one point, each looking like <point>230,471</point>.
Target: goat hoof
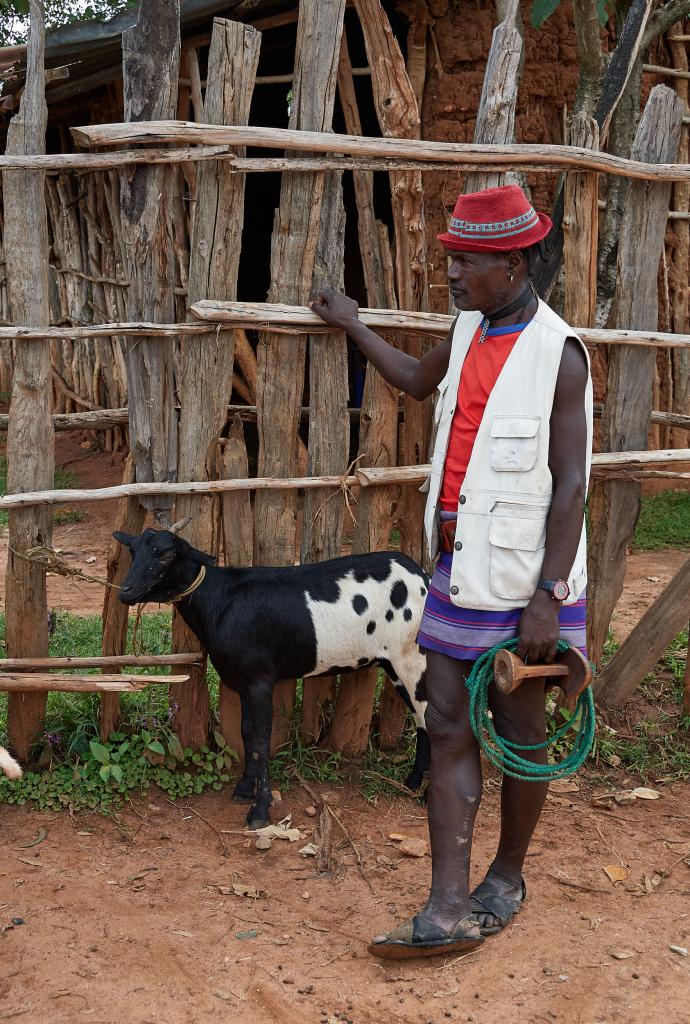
<point>256,823</point>
<point>242,798</point>
<point>412,782</point>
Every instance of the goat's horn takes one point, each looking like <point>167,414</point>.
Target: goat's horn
<point>180,524</point>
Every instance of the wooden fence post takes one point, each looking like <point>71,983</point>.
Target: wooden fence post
<point>614,505</point>
<point>281,360</point>
<point>680,279</point>
<point>150,62</point>
<point>580,230</point>
<point>130,519</point>
<point>206,368</point>
<point>30,439</point>
<point>329,429</point>
<point>495,122</point>
<point>378,441</point>
<point>238,544</point>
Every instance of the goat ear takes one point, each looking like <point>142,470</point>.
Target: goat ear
<point>193,554</point>
<point>202,558</point>
<point>127,539</point>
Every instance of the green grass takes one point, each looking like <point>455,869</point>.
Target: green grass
<point>657,745</point>
<point>62,480</point>
<point>664,522</point>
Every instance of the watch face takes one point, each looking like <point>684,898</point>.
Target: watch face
<point>560,590</point>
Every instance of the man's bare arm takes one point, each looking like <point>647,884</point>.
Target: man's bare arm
<point>416,377</point>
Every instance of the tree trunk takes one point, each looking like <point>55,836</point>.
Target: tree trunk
<point>614,505</point>
<point>30,440</point>
<point>206,365</point>
<point>150,61</point>
<point>281,360</point>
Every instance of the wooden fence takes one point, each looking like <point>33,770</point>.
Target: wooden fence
<point>118,220</point>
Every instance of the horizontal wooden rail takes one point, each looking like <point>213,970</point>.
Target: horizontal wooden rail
<point>369,477</point>
<point>111,661</point>
<point>557,157</point>
<point>28,682</point>
<point>668,419</point>
<point>214,315</point>
<point>658,69</point>
<point>298,319</point>
<point>106,419</point>
<point>82,163</point>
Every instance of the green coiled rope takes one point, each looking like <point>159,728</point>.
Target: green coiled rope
<point>502,752</point>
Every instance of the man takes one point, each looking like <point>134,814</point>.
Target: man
<point>506,510</point>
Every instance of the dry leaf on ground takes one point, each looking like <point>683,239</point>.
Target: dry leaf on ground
<point>642,793</point>
<point>621,954</point>
<point>616,873</point>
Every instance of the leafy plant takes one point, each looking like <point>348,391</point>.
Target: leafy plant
<point>14,15</point>
<point>543,9</point>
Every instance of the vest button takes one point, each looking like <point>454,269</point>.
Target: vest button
<point>463,499</point>
<point>455,590</point>
<point>458,545</point>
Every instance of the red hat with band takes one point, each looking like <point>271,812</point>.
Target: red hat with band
<point>495,220</point>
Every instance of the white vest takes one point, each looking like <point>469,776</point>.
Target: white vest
<point>506,495</point>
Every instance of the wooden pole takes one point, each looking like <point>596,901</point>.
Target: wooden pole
<point>281,364</point>
<point>527,156</point>
<point>614,505</point>
<point>130,518</point>
<point>398,117</point>
<point>580,230</point>
<point>378,427</point>
<point>679,283</point>
<point>30,442</point>
<point>118,661</point>
<point>206,368</point>
<point>329,429</point>
<point>39,684</point>
<point>639,653</point>
<point>150,65</point>
<point>495,122</point>
<point>238,542</point>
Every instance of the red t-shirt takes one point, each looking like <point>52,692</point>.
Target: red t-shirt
<point>480,371</point>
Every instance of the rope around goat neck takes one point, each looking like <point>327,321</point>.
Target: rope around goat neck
<point>503,753</point>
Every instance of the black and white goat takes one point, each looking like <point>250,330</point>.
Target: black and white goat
<point>261,625</point>
<point>8,765</point>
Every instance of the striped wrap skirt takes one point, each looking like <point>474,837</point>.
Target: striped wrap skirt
<point>467,633</point>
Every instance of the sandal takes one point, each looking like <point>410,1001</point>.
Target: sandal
<point>486,899</point>
<point>421,937</point>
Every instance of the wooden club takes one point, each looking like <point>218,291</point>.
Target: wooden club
<point>570,671</point>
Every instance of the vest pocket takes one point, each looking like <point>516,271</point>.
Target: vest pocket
<point>514,563</point>
<point>514,443</point>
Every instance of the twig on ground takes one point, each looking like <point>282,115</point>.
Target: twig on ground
<point>394,783</point>
<point>353,845</point>
<point>206,822</point>
<point>578,885</point>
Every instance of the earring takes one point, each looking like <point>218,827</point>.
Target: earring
<point>510,277</point>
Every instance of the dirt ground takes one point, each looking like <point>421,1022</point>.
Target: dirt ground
<point>132,920</point>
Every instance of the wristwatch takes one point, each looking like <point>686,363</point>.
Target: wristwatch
<point>558,589</point>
